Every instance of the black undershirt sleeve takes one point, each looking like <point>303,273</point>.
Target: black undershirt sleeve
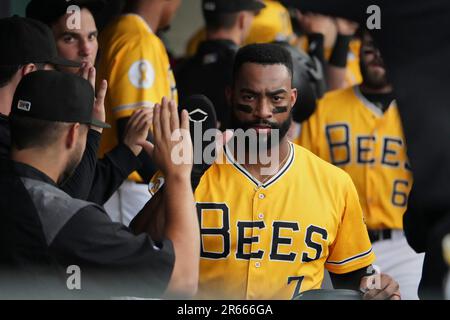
<point>97,179</point>
<point>111,172</point>
<point>339,54</point>
<point>147,168</point>
<point>350,281</point>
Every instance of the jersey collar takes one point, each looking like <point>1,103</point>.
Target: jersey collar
<point>255,181</point>
<point>372,107</point>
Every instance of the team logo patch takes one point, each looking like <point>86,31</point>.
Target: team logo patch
<point>24,105</point>
<point>154,186</point>
<point>142,74</point>
<point>198,115</point>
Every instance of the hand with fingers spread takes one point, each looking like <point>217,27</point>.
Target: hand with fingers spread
<point>172,151</point>
<point>386,287</point>
<point>179,221</point>
<point>137,128</point>
<point>315,23</point>
<point>88,72</point>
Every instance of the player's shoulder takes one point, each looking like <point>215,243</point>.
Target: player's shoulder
<point>340,94</point>
<point>342,99</point>
<point>308,162</point>
<point>127,31</point>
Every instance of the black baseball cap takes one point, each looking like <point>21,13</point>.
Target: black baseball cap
<point>28,41</point>
<point>48,11</point>
<point>55,96</point>
<point>232,6</point>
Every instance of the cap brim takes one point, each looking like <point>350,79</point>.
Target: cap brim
<point>100,124</point>
<point>58,61</point>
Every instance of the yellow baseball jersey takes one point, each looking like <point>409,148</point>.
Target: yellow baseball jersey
<point>351,132</point>
<point>273,240</point>
<point>272,23</point>
<point>135,63</point>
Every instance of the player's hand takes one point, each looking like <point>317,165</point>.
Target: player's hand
<point>172,151</point>
<point>98,112</point>
<point>88,72</point>
<point>386,288</point>
<point>346,27</point>
<point>315,23</point>
<point>136,130</point>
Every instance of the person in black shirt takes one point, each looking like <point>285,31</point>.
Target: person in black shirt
<point>32,47</point>
<point>45,233</point>
<point>209,72</point>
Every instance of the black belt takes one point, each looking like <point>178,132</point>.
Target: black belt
<point>377,235</point>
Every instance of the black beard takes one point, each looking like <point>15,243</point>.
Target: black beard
<point>282,128</point>
<point>369,81</point>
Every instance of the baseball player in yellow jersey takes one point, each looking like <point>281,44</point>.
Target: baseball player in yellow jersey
<point>271,236</point>
<point>271,24</point>
<point>359,130</point>
<point>136,65</point>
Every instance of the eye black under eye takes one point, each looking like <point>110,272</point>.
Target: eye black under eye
<point>280,109</point>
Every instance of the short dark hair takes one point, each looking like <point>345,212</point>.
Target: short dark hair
<point>8,72</point>
<point>34,133</point>
<point>217,21</point>
<point>264,54</point>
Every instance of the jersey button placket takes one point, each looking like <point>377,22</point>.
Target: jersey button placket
<point>370,167</point>
<point>255,265</point>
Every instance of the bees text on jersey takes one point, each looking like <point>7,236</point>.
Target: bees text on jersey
<point>354,134</point>
<point>274,240</point>
<point>135,63</point>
